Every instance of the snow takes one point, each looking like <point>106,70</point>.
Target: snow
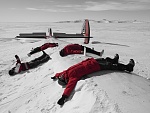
<point>33,91</point>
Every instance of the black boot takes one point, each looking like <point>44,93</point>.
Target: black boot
<point>114,60</point>
<point>120,67</point>
<point>130,65</point>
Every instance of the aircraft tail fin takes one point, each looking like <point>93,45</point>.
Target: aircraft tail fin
<point>86,31</point>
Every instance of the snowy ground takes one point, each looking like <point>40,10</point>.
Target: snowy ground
<point>101,92</point>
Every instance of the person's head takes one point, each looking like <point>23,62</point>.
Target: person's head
<point>61,53</point>
<point>61,81</point>
<point>11,72</point>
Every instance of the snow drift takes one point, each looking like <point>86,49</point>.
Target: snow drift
<point>101,92</point>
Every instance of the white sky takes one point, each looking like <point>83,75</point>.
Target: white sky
<point>57,10</point>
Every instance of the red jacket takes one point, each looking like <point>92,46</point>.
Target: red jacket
<point>72,49</point>
<point>47,45</point>
<point>73,74</point>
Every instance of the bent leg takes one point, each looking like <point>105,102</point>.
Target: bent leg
<point>119,67</point>
<point>89,50</point>
<point>108,64</point>
<point>35,50</point>
<point>122,67</point>
<point>45,59</point>
<point>41,57</point>
<point>104,64</point>
<point>35,63</point>
<point>114,60</point>
<point>108,59</point>
<point>112,64</point>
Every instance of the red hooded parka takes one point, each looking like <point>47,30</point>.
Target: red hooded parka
<point>73,49</point>
<point>73,74</point>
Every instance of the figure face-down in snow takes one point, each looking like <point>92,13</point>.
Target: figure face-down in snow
<point>78,49</point>
<point>72,75</point>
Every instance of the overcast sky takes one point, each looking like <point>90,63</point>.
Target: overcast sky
<point>59,10</point>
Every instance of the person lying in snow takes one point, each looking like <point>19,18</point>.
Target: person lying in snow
<point>72,75</point>
<point>28,65</point>
<point>78,49</point>
<point>43,47</point>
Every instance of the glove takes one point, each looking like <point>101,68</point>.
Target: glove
<point>16,56</point>
<point>62,100</point>
<point>54,78</point>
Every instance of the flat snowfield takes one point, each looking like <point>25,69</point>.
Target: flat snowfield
<point>33,91</point>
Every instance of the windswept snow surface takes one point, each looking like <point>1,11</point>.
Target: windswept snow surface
<point>102,92</point>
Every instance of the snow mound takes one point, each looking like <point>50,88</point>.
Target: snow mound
<point>102,92</point>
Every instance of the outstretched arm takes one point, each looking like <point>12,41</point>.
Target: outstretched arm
<point>18,59</point>
<point>70,86</point>
<point>68,90</point>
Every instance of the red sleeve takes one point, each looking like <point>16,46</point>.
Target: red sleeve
<point>70,86</point>
<point>59,74</point>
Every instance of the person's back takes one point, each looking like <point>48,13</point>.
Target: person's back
<point>71,49</point>
<point>76,72</point>
<point>78,49</point>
